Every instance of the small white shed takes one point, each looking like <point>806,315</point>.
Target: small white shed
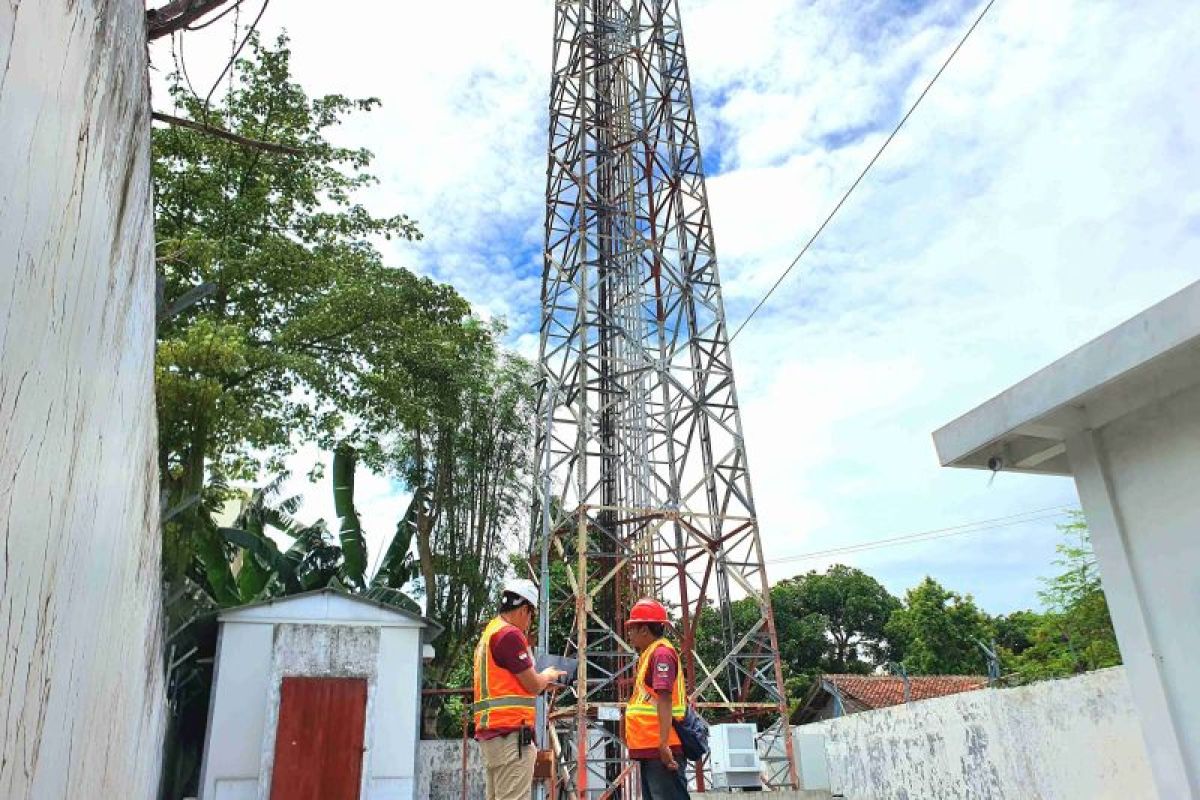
<point>316,696</point>
<point>1122,416</point>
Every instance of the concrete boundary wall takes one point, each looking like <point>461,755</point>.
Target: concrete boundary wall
<point>439,770</point>
<point>1073,739</point>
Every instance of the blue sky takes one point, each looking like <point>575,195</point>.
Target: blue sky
<point>1044,192</point>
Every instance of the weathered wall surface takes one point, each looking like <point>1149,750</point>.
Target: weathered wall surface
<point>81,700</point>
<point>439,770</point>
<point>1075,739</point>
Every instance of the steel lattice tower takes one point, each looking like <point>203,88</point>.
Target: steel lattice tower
<point>643,488</point>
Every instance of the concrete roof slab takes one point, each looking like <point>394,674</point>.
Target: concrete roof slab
<point>1149,357</point>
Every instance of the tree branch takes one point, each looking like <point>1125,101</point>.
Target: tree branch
<point>221,133</point>
<point>177,14</point>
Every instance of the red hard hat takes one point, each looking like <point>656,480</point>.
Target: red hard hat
<point>646,610</point>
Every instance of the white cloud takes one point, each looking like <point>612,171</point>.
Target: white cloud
<point>1042,193</point>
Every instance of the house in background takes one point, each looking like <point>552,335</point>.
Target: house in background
<point>839,695</point>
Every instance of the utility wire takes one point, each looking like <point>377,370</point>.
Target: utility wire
<point>865,170</point>
<point>918,540</point>
<point>237,52</point>
<point>1036,515</point>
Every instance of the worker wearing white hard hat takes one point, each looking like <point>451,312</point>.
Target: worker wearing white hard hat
<point>519,589</point>
<point>506,685</point>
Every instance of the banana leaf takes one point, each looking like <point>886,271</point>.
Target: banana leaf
<point>211,555</point>
<point>393,597</point>
<point>397,568</point>
<point>268,562</point>
<point>354,546</point>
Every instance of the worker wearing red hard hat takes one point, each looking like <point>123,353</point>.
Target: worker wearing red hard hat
<point>658,700</point>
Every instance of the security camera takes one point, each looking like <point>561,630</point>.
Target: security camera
<point>995,463</point>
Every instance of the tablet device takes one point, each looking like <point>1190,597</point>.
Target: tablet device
<point>567,665</point>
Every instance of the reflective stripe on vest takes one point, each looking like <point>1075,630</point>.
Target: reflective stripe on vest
<point>641,715</point>
<point>505,702</point>
<point>500,699</point>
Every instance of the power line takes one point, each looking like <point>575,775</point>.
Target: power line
<point>238,50</point>
<point>865,170</point>
<point>1036,515</point>
<point>918,540</point>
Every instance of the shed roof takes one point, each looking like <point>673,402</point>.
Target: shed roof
<point>329,605</point>
<point>1149,357</point>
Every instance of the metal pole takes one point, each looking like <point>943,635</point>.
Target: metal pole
<point>541,722</point>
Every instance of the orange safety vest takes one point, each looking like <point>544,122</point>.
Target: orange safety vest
<point>500,699</point>
<point>641,715</point>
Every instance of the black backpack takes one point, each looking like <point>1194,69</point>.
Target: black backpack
<point>693,735</point>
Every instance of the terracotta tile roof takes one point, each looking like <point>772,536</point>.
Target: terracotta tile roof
<point>881,691</point>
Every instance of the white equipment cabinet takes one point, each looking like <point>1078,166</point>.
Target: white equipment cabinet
<point>734,756</point>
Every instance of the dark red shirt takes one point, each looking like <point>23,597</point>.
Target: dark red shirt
<point>660,676</point>
<point>510,649</point>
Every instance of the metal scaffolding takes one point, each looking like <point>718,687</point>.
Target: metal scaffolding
<point>642,483</point>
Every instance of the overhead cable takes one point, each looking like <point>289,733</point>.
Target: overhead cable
<point>1036,515</point>
<point>864,172</point>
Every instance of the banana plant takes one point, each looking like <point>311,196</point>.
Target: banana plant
<point>354,545</point>
<point>398,567</point>
<point>312,561</point>
<point>261,560</point>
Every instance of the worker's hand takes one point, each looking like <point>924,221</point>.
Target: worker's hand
<point>552,674</point>
<point>667,757</point>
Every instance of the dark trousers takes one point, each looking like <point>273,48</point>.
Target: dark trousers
<point>660,783</point>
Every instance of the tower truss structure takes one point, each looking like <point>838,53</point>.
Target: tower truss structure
<point>642,483</point>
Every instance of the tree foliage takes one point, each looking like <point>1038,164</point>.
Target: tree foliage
<point>829,621</point>
<point>1076,633</point>
<point>298,329</point>
<point>470,449</point>
<point>938,632</point>
<point>854,608</point>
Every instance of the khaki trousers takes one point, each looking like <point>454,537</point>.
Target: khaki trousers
<point>509,775</point>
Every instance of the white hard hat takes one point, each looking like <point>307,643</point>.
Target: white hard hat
<point>523,589</point>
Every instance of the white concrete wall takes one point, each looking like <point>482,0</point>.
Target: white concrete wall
<point>391,761</point>
<point>1152,460</point>
<point>439,770</point>
<point>81,696</point>
<point>1074,739</point>
<point>233,758</point>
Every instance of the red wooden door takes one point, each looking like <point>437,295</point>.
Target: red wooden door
<point>319,739</point>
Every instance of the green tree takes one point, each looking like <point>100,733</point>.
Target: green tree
<point>1014,633</point>
<point>936,632</point>
<point>1076,633</point>
<point>852,608</point>
<point>279,321</point>
<point>470,449</point>
<point>1080,575</point>
<point>825,622</point>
